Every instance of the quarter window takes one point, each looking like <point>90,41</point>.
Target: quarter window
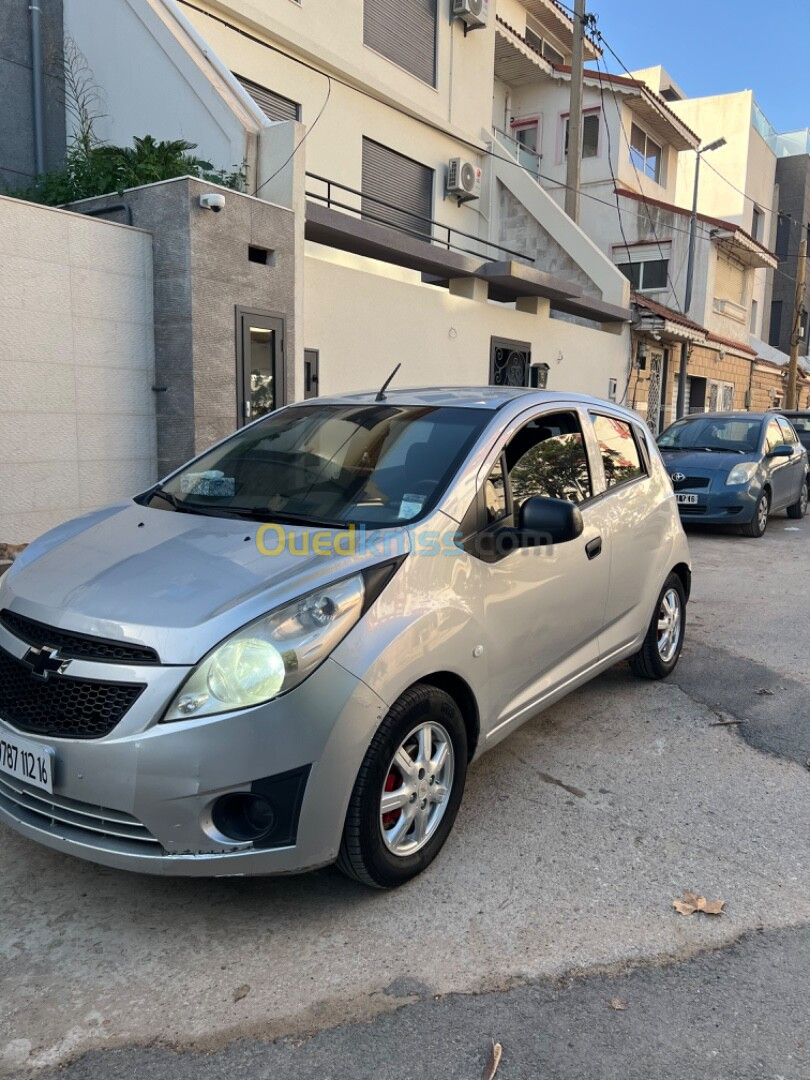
<point>645,155</point>
<point>620,454</point>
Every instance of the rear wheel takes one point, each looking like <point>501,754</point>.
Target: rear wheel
<point>662,646</point>
<point>408,790</point>
<point>799,508</point>
<point>759,522</point>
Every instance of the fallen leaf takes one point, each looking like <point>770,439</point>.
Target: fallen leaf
<point>617,1004</point>
<point>241,992</point>
<point>494,1061</point>
<point>764,691</point>
<point>692,902</point>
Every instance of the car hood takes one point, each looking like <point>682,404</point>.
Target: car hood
<point>704,460</point>
<point>177,582</point>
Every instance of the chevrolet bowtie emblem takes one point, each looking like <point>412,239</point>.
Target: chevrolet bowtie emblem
<point>44,662</point>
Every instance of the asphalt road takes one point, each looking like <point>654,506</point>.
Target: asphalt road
<point>553,896</point>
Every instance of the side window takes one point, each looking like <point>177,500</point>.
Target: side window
<point>788,434</point>
<point>773,436</point>
<point>547,457</point>
<point>620,453</point>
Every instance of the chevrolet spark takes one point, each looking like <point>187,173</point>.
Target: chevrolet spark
<point>288,652</point>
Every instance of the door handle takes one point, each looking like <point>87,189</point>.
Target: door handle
<point>594,547</point>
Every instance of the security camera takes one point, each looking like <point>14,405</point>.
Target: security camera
<point>212,201</point>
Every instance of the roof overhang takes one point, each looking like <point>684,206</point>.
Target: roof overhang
<point>668,329</point>
<point>744,248</point>
<point>662,122</point>
<point>516,62</point>
<point>554,19</point>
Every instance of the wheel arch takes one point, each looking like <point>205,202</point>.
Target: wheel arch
<point>461,692</point>
<point>685,574</point>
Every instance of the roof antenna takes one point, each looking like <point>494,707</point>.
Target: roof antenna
<point>381,395</point>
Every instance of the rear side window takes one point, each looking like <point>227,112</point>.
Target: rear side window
<point>620,453</point>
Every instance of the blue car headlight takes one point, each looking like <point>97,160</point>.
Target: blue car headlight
<point>742,473</point>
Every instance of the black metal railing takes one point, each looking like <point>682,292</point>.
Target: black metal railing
<point>428,234</point>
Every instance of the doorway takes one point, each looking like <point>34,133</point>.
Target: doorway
<point>260,346</point>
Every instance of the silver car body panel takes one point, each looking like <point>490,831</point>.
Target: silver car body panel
<point>520,633</point>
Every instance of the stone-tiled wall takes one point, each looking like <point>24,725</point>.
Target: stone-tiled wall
<point>77,412</point>
<point>17,161</point>
<point>202,274</point>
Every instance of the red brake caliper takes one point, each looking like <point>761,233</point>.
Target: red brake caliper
<point>392,782</point>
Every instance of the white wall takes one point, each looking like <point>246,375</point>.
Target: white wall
<point>77,412</point>
<point>152,81</point>
<point>439,338</point>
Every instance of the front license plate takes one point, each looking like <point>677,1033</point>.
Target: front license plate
<point>27,761</point>
<point>687,500</point>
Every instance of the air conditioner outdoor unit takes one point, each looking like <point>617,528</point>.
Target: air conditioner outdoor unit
<point>473,13</point>
<point>463,180</point>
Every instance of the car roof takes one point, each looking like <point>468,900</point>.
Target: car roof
<point>731,416</point>
<point>793,412</point>
<point>466,397</point>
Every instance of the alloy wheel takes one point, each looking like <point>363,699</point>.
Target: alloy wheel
<point>669,625</point>
<point>416,789</point>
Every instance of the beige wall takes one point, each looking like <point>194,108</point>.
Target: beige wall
<point>77,412</point>
<point>368,323</point>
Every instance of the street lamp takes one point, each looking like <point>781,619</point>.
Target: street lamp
<point>690,272</point>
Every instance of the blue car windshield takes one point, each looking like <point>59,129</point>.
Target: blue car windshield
<point>376,464</point>
<point>735,435</point>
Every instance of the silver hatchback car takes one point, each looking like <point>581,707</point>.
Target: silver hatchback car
<point>288,652</point>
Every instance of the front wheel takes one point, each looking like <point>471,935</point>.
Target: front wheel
<point>759,522</point>
<point>662,646</point>
<point>799,508</point>
<point>408,790</point>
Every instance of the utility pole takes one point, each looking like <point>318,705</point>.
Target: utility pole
<point>574,169</point>
<point>680,406</point>
<point>798,318</point>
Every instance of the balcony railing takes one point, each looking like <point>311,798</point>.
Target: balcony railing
<point>335,196</point>
<point>522,154</point>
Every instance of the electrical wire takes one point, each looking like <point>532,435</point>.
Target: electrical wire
<point>302,140</point>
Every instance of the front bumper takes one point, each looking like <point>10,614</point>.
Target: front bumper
<point>140,798</point>
<point>735,505</point>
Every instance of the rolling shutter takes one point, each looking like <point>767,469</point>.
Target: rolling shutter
<point>403,183</point>
<point>404,32</point>
<point>730,280</point>
<point>274,106</point>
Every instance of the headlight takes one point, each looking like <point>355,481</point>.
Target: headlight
<point>742,473</point>
<point>271,655</point>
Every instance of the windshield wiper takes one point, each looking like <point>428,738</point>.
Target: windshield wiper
<point>192,508</point>
<point>718,449</point>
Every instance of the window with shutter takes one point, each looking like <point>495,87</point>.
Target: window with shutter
<point>397,191</point>
<point>404,33</point>
<point>273,105</point>
<point>730,280</point>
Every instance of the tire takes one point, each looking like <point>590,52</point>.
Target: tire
<point>759,522</point>
<point>659,655</point>
<point>367,848</point>
<point>799,508</point>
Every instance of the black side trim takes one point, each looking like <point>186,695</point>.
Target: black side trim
<point>375,578</point>
<point>286,792</point>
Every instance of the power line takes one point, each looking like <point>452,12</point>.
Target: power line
<point>302,140</point>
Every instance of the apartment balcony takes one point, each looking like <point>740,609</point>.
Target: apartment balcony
<point>346,219</point>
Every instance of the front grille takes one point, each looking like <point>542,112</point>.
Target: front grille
<point>74,645</point>
<point>691,482</point>
<point>59,706</point>
<point>75,820</point>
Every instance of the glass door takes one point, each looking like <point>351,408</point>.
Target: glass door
<point>260,363</point>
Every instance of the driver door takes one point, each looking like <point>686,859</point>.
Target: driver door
<point>541,608</point>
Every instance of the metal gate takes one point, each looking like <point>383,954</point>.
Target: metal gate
<point>509,362</point>
<point>654,392</point>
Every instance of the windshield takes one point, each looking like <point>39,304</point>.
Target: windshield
<point>734,435</point>
<point>373,465</point>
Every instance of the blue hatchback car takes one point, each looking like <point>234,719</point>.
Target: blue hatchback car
<point>736,468</point>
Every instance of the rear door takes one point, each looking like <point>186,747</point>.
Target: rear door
<point>798,467</point>
<point>780,470</point>
<point>637,521</point>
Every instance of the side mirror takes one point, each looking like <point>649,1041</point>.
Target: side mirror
<point>782,450</point>
<point>556,521</point>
